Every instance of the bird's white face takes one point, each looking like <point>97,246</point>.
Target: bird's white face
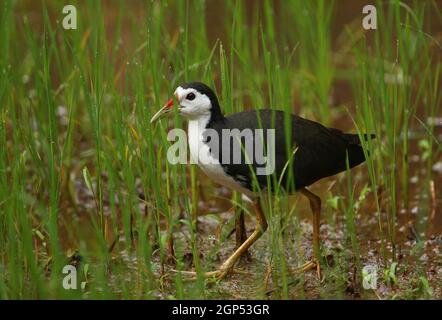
<point>192,103</point>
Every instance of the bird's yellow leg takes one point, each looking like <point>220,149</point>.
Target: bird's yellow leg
<point>315,205</point>
<point>227,266</point>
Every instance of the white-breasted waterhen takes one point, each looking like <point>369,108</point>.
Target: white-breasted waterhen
<point>304,151</point>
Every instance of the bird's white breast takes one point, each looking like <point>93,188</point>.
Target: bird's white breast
<point>200,154</point>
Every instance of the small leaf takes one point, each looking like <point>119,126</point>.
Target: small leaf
<point>86,270</point>
<point>87,178</point>
<point>390,274</point>
<point>426,286</point>
<point>39,234</point>
<point>186,222</point>
<point>163,239</point>
<point>393,272</point>
<point>424,144</point>
<point>333,202</point>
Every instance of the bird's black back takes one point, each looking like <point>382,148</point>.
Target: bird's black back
<point>319,151</point>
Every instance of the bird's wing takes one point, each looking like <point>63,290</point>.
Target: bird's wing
<point>305,151</point>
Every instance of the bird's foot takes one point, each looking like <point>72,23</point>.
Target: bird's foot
<point>215,276</point>
<point>310,265</point>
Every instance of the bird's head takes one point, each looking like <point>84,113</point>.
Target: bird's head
<point>194,100</point>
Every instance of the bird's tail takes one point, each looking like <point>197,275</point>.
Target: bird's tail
<point>355,151</point>
<point>354,138</point>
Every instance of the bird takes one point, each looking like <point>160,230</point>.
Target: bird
<point>304,152</point>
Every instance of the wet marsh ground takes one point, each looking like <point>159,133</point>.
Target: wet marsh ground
<point>84,178</point>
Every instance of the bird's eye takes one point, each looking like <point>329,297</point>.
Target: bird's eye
<point>190,96</point>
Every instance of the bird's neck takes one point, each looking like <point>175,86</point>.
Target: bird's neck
<point>207,120</point>
<point>195,130</point>
<point>200,123</point>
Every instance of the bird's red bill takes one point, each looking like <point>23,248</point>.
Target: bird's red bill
<point>169,104</point>
<point>165,109</point>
